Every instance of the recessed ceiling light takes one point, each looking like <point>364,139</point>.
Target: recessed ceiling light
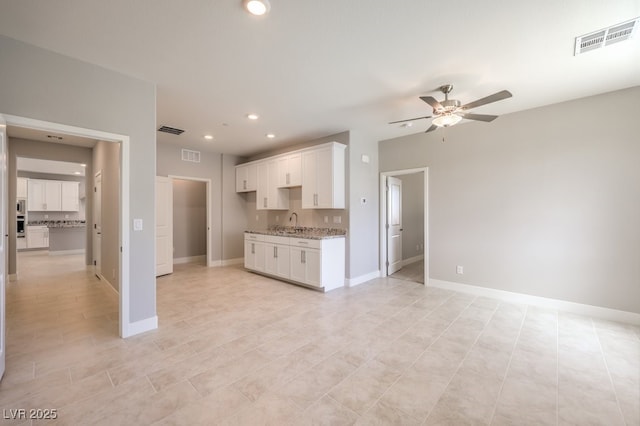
<point>83,165</point>
<point>77,173</point>
<point>270,135</point>
<point>257,7</point>
<point>409,124</point>
<point>253,116</point>
<point>208,137</point>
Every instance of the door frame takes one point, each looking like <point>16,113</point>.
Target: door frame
<point>125,325</point>
<point>383,217</point>
<point>208,206</point>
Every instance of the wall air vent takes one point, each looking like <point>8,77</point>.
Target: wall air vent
<point>189,155</point>
<point>607,36</point>
<point>172,130</point>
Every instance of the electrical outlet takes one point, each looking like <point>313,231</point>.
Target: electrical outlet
<point>326,219</point>
<point>66,216</point>
<point>46,216</point>
<point>459,270</point>
<point>337,219</point>
<point>277,218</point>
<point>417,247</point>
<point>257,218</point>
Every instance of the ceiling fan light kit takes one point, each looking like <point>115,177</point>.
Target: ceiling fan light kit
<point>450,112</point>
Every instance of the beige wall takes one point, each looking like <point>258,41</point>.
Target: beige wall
<point>542,202</point>
<point>189,218</point>
<point>44,85</point>
<point>106,159</point>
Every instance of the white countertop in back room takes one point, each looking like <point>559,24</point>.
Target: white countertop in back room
<point>58,223</point>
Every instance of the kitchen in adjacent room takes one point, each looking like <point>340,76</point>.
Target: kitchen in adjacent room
<point>50,208</point>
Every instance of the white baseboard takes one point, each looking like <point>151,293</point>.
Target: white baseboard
<point>352,282</point>
<point>141,326</point>
<point>64,252</point>
<point>561,305</point>
<point>411,260</point>
<point>190,259</point>
<point>227,262</point>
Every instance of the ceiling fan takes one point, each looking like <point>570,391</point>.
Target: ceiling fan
<point>450,111</point>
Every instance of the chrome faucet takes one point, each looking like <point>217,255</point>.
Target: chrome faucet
<point>291,217</point>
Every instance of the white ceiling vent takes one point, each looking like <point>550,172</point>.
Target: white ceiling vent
<point>189,155</point>
<point>606,36</point>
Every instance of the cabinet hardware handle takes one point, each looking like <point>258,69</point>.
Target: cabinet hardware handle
<point>275,252</point>
<point>304,256</point>
<point>303,242</point>
<point>288,178</point>
<point>265,202</point>
<point>253,248</point>
<point>244,183</point>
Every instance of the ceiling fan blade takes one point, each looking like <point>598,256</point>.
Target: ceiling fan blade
<point>410,119</point>
<point>431,101</point>
<point>478,117</point>
<point>488,99</point>
<point>432,128</point>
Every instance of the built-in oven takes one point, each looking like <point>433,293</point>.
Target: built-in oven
<point>20,226</point>
<point>21,206</point>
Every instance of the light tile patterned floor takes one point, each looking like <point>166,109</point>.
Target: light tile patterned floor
<point>235,348</point>
<point>411,272</point>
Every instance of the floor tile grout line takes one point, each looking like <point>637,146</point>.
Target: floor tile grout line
<point>606,364</point>
<point>453,293</point>
<point>466,355</point>
<point>506,373</point>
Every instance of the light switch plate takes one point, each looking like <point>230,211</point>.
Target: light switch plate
<point>137,224</point>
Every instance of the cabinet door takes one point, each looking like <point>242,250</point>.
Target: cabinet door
<point>283,172</point>
<point>70,197</point>
<point>283,260</point>
<point>297,264</point>
<point>260,257</point>
<point>21,190</point>
<point>262,194</point>
<point>309,178</point>
<point>271,258</point>
<point>313,267</point>
<point>249,255</point>
<point>53,196</point>
<point>35,195</point>
<point>324,178</point>
<point>252,177</point>
<point>295,169</point>
<point>241,179</point>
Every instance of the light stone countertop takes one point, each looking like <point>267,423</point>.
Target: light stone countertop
<point>301,232</point>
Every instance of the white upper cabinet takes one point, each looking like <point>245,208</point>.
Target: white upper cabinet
<point>21,190</point>
<point>290,170</point>
<point>323,177</point>
<point>52,195</point>
<point>246,177</point>
<point>268,195</point>
<point>70,196</point>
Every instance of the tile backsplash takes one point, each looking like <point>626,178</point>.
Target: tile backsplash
<point>261,219</point>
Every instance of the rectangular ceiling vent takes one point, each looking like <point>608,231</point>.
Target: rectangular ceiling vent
<point>172,130</point>
<point>606,37</point>
<point>189,155</point>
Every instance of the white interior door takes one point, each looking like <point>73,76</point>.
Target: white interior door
<point>97,224</point>
<point>394,225</point>
<point>4,240</point>
<point>164,225</point>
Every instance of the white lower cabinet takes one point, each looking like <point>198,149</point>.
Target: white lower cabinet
<point>277,257</point>
<point>37,237</point>
<point>254,252</point>
<point>312,262</point>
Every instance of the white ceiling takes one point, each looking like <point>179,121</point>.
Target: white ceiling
<point>314,68</point>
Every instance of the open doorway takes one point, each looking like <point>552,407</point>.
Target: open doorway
<point>51,209</point>
<point>404,224</point>
<point>71,135</point>
<point>183,222</point>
